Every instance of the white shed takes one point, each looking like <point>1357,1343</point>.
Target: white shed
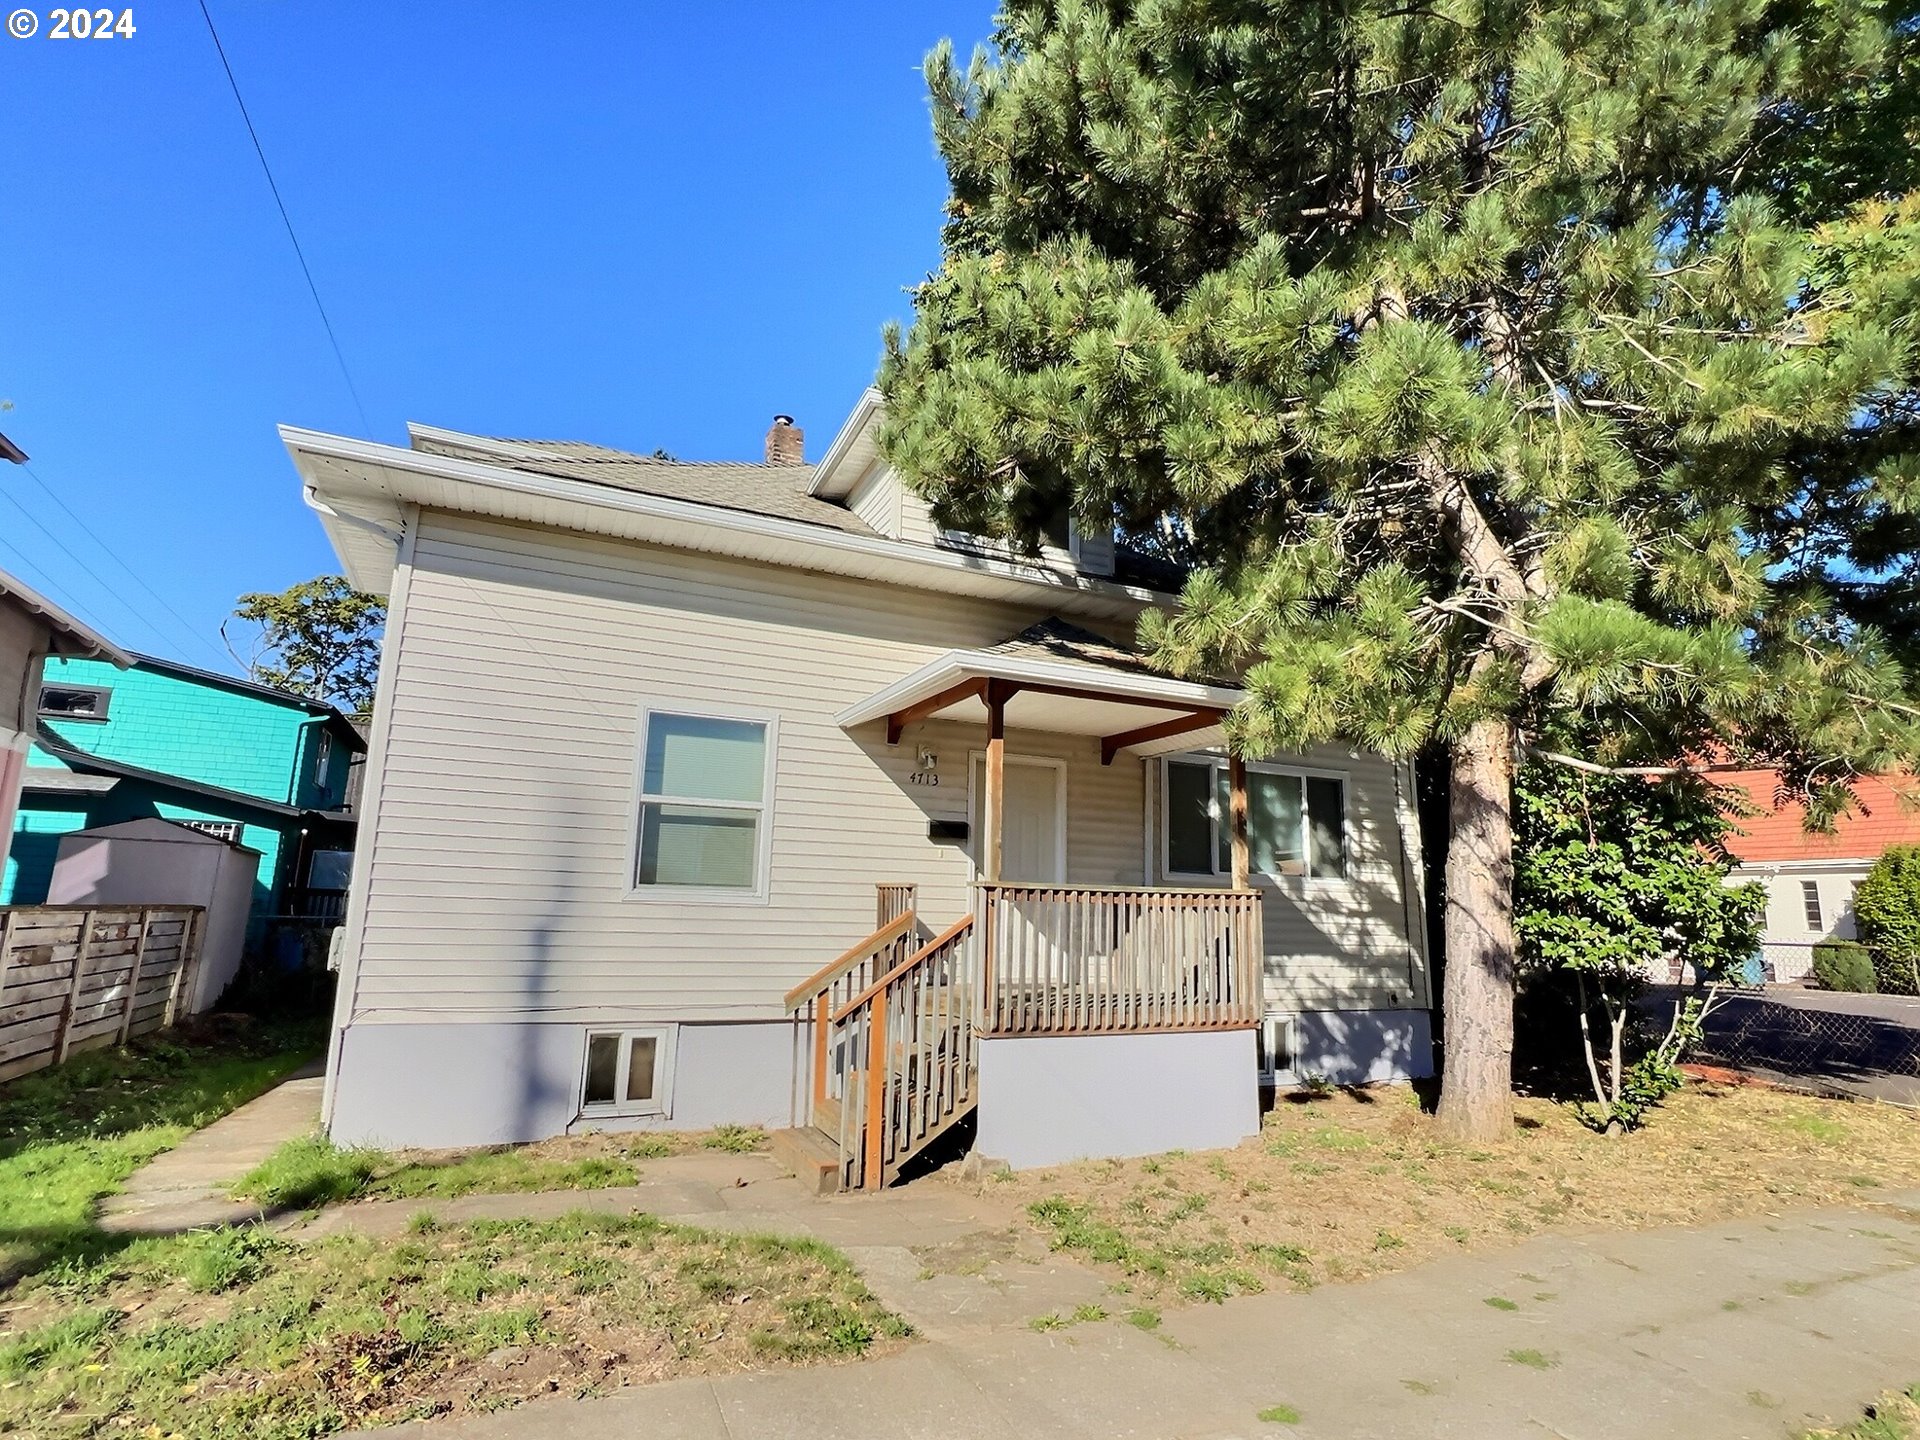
<point>159,862</point>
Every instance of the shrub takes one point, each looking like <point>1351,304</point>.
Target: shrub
<point>1844,965</point>
<point>1886,908</point>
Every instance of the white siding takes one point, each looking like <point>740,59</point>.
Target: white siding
<point>499,851</point>
<point>875,498</point>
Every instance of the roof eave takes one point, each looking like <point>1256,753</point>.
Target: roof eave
<point>352,513</point>
<point>958,666</point>
<point>87,642</point>
<point>853,444</point>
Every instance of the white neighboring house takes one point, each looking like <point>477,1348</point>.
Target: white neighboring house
<point>705,793</point>
<point>32,627</point>
<point>1810,879</point>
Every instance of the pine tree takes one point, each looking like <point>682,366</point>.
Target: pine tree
<point>1496,365</point>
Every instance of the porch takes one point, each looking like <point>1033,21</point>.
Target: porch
<point>924,1023</point>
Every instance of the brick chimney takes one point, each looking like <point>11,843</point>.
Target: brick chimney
<point>786,442</point>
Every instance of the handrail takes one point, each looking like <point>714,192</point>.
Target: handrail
<point>823,978</point>
<point>944,938</point>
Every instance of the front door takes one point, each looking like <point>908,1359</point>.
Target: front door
<point>1035,848</point>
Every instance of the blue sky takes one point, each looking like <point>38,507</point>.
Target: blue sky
<point>640,224</point>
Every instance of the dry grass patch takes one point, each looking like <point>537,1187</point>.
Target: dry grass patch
<point>233,1332</point>
<point>1348,1185</point>
<point>1894,1416</point>
<point>312,1171</point>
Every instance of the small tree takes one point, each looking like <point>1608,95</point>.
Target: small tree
<point>1886,908</point>
<point>320,638</point>
<point>1615,876</point>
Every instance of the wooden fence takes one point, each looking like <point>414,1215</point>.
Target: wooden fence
<point>76,977</point>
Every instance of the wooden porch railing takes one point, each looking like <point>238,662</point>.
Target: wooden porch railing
<point>817,997</point>
<point>909,1042</point>
<point>892,899</point>
<point>1098,959</point>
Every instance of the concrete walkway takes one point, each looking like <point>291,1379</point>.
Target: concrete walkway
<point>186,1187</point>
<point>1750,1330</point>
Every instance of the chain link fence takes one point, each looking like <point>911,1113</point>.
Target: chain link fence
<point>1862,1046</point>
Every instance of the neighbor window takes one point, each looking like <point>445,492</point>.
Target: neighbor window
<point>703,803</point>
<point>627,1072</point>
<point>1296,822</point>
<point>1810,898</point>
<point>322,761</point>
<point>228,830</point>
<point>74,702</point>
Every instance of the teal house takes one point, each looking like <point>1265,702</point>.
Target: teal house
<point>260,767</point>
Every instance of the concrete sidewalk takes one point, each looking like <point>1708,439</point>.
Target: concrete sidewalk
<point>186,1187</point>
<point>1750,1330</point>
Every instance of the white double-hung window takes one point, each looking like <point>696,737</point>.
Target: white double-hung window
<point>1296,820</point>
<point>705,788</point>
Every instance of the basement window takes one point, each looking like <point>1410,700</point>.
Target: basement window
<point>628,1072</point>
<point>1277,1048</point>
<point>74,702</point>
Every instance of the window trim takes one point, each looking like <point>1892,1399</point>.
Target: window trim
<point>1271,1075</point>
<point>1813,907</point>
<point>666,1045</point>
<point>760,891</point>
<point>104,692</point>
<point>1218,760</point>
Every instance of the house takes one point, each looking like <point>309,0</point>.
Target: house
<point>1811,877</point>
<point>706,793</point>
<point>31,629</point>
<point>259,767</point>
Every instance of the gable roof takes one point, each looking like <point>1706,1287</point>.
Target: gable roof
<point>73,638</point>
<point>1887,813</point>
<point>783,491</point>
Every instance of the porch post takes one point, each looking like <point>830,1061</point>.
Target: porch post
<point>1237,819</point>
<point>992,848</point>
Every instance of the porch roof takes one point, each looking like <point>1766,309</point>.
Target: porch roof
<point>1059,678</point>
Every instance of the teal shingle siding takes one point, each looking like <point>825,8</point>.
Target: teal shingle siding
<point>200,730</point>
<point>197,730</point>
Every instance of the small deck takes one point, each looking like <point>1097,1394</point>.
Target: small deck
<point>892,1028</point>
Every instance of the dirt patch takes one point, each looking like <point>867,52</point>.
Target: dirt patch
<point>1356,1184</point>
<point>970,1254</point>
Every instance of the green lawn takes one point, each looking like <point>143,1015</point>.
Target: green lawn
<point>1894,1416</point>
<point>71,1134</point>
<point>312,1171</point>
<point>236,1333</point>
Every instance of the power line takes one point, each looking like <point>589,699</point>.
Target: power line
<point>90,572</point>
<point>287,220</point>
<point>87,530</point>
<point>52,587</point>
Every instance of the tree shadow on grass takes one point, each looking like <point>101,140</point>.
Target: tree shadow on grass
<point>71,1134</point>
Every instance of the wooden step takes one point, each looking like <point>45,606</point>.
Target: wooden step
<point>813,1157</point>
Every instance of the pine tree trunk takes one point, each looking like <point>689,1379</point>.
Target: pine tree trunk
<point>1476,1087</point>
